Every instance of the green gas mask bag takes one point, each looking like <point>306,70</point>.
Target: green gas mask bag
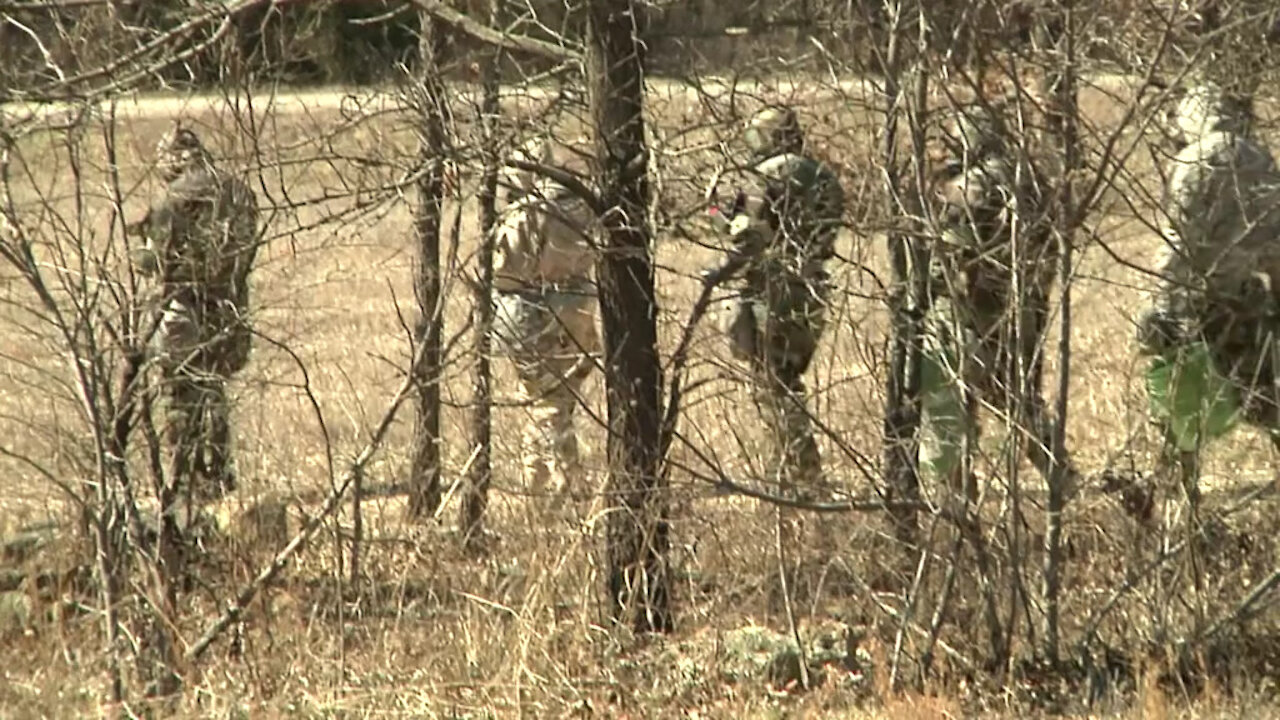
<point>1191,397</point>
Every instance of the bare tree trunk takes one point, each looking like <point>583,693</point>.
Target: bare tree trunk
<point>906,303</point>
<point>1059,30</point>
<point>639,584</point>
<point>476,498</point>
<point>431,95</point>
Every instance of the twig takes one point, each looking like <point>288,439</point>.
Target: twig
<point>61,5</point>
<point>224,12</point>
<point>457,481</point>
<point>484,33</point>
<point>780,521</point>
<point>311,525</point>
<point>943,607</point>
<point>908,612</point>
<point>680,358</point>
<point>1065,108</point>
<point>1245,608</point>
<point>950,651</point>
<point>1095,621</point>
<point>570,181</point>
<point>852,505</point>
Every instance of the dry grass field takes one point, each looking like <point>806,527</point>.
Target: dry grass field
<point>427,632</point>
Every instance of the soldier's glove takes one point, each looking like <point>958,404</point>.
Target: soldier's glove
<point>747,235</point>
<point>1159,332</point>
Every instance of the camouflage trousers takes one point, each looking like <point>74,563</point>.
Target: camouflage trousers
<point>775,326</point>
<point>197,430</point>
<point>551,338</point>
<point>196,358</point>
<point>967,360</point>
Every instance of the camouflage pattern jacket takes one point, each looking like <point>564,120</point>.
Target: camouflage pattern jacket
<point>794,205</point>
<point>1223,229</point>
<point>201,241</point>
<point>542,242</point>
<point>981,205</point>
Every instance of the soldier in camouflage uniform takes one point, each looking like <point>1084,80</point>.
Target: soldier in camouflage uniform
<point>1220,273</point>
<point>200,243</point>
<point>783,225</point>
<point>517,182</point>
<point>545,320</point>
<point>980,327</point>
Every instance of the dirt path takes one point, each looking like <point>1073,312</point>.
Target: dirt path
<point>153,105</point>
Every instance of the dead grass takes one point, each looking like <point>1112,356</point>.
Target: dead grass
<point>428,632</point>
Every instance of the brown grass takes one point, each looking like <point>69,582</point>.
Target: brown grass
<point>522,632</point>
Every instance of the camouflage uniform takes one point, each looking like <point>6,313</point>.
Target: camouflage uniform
<point>545,321</point>
<point>975,337</point>
<point>200,243</point>
<point>784,223</point>
<point>1221,268</point>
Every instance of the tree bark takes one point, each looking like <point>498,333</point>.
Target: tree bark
<point>1058,32</point>
<point>906,303</point>
<point>638,579</point>
<point>425,490</point>
<point>476,498</point>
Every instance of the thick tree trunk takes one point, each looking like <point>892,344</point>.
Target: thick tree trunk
<point>639,584</point>
<point>476,498</point>
<point>431,97</point>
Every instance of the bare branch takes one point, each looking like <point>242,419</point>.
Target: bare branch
<point>569,180</point>
<point>311,524</point>
<point>480,31</point>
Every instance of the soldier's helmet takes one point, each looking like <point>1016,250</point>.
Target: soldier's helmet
<point>971,130</point>
<point>1207,107</point>
<point>179,151</point>
<point>773,131</point>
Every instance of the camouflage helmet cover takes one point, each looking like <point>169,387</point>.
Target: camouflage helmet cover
<point>179,150</point>
<point>970,128</point>
<point>773,131</point>
<point>1207,106</point>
